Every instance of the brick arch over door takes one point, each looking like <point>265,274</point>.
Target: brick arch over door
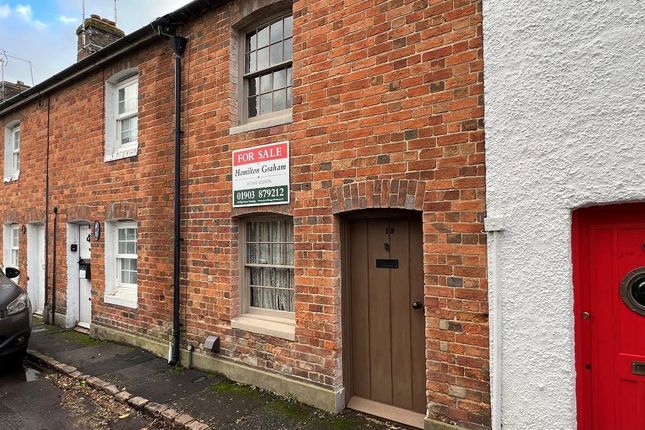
<point>378,193</point>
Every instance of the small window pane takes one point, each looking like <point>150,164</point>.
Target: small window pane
<point>276,53</point>
<point>131,234</point>
<point>276,31</point>
<point>252,253</point>
<point>288,49</point>
<point>289,255</point>
<point>265,103</point>
<point>263,58</point>
<point>251,42</point>
<point>289,97</point>
<point>264,253</point>
<point>121,234</point>
<point>250,65</point>
<point>254,84</point>
<point>253,107</point>
<point>15,161</point>
<point>265,83</point>
<point>279,79</point>
<point>129,130</point>
<point>16,140</point>
<point>288,26</point>
<point>279,100</point>
<point>263,37</point>
<point>290,76</point>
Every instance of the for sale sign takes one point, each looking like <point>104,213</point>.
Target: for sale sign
<point>261,175</point>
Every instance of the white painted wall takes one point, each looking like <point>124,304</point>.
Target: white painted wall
<point>565,127</point>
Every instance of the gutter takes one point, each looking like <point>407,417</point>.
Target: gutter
<point>76,71</point>
<point>111,52</point>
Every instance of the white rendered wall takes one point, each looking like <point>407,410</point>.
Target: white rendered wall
<point>565,128</point>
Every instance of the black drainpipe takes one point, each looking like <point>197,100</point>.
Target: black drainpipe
<point>178,45</point>
<point>53,320</point>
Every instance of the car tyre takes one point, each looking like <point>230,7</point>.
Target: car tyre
<point>17,359</point>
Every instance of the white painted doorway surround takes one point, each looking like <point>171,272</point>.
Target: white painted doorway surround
<point>79,297</point>
<point>36,266</point>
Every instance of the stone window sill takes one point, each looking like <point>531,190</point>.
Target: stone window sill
<point>287,118</point>
<point>270,326</point>
<point>122,153</point>
<point>12,178</point>
<point>122,298</point>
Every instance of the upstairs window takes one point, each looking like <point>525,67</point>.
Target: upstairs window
<point>268,71</point>
<point>121,116</point>
<point>126,115</point>
<point>12,153</point>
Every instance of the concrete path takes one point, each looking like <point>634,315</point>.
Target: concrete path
<point>187,398</point>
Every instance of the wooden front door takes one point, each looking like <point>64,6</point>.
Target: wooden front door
<point>386,321</point>
<point>84,284</point>
<point>609,279</point>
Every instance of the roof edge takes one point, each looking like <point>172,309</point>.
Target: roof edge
<point>113,51</point>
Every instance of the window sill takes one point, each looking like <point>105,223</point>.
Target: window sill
<point>287,118</point>
<point>12,178</point>
<point>122,153</point>
<point>122,298</point>
<point>270,326</point>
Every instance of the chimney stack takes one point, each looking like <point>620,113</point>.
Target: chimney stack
<point>94,34</point>
<point>9,89</point>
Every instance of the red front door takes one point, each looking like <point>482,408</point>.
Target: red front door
<point>609,285</point>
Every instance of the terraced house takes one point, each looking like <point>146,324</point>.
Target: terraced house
<point>289,193</point>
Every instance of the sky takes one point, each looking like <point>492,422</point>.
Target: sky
<point>44,31</point>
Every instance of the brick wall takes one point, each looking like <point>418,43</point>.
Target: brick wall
<point>387,112</point>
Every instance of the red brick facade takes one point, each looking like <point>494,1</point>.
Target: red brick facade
<point>387,113</point>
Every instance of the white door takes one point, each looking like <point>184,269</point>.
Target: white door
<point>84,293</point>
<point>36,266</point>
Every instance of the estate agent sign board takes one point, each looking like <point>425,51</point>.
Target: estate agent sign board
<point>261,175</point>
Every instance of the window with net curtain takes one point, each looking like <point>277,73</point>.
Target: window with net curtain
<point>268,265</point>
<point>268,72</point>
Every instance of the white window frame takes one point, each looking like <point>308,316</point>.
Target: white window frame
<point>11,246</point>
<point>117,292</point>
<point>262,320</point>
<point>269,119</point>
<point>114,148</point>
<point>11,153</point>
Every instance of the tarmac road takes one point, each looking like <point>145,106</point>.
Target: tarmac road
<point>31,399</point>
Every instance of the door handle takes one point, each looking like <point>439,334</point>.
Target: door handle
<point>417,305</point>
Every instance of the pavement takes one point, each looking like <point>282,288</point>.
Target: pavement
<point>183,398</point>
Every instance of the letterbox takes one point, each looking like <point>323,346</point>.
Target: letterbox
<point>84,269</point>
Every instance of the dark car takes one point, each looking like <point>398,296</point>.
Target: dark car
<point>15,317</point>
